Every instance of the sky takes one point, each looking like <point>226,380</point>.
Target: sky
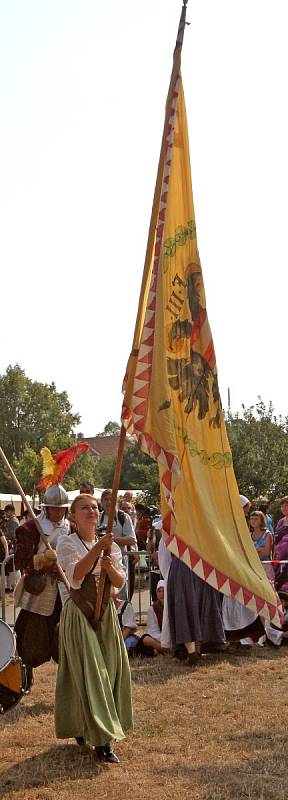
<point>83,85</point>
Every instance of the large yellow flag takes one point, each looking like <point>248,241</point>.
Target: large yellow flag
<point>172,403</point>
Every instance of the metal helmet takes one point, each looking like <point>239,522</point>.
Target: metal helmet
<point>55,497</point>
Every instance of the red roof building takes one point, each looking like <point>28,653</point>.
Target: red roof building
<point>102,446</point>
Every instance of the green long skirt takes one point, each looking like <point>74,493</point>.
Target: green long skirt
<point>93,688</point>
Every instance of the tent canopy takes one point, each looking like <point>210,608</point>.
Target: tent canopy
<point>16,499</point>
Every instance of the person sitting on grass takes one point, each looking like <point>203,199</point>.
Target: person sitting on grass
<point>152,638</point>
<point>128,624</point>
<point>274,635</point>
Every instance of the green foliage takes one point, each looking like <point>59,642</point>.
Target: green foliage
<point>259,444</point>
<point>83,467</point>
<point>111,429</point>
<point>31,411</point>
<point>32,415</point>
<point>151,495</point>
<point>105,472</point>
<point>139,471</point>
<point>28,469</point>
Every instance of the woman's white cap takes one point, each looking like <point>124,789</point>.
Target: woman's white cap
<point>244,500</point>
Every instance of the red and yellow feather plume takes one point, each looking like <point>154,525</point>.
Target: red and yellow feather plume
<point>56,465</point>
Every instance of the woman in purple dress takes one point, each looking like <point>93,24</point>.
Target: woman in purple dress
<point>281,547</point>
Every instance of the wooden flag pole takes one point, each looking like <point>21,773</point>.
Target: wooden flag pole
<point>31,512</point>
<point>104,580</point>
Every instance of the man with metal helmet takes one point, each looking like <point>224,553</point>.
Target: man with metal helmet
<point>57,501</point>
<point>37,593</point>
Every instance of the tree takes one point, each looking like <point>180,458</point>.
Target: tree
<point>32,415</point>
<point>28,469</point>
<point>138,471</point>
<point>259,444</point>
<point>105,472</point>
<point>111,429</point>
<point>30,411</point>
<point>84,467</point>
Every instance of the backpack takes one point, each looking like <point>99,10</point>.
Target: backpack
<point>120,516</point>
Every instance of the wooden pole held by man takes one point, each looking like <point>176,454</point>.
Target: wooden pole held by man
<point>31,512</point>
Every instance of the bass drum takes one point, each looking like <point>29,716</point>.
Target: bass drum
<point>13,678</point>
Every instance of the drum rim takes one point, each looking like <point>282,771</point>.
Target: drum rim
<point>13,641</point>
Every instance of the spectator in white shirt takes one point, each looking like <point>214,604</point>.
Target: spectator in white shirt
<point>127,622</point>
<point>152,638</point>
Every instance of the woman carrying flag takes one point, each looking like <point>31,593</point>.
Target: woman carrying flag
<point>93,692</point>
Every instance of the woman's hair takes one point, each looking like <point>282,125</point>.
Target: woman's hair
<point>89,486</point>
<point>262,518</point>
<point>81,497</point>
<point>263,506</point>
<point>105,493</point>
<point>284,499</point>
<point>128,496</point>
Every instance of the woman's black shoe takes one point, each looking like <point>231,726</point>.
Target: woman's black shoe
<point>106,754</point>
<point>180,652</point>
<point>193,659</point>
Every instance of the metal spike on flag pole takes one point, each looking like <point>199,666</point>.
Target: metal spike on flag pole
<point>171,402</point>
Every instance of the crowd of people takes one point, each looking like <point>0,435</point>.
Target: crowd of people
<point>58,615</point>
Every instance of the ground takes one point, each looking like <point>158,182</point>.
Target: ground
<point>216,732</point>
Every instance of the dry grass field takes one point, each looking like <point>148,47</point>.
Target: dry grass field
<point>217,732</point>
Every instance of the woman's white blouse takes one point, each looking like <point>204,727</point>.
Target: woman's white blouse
<point>153,624</point>
<point>70,550</point>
